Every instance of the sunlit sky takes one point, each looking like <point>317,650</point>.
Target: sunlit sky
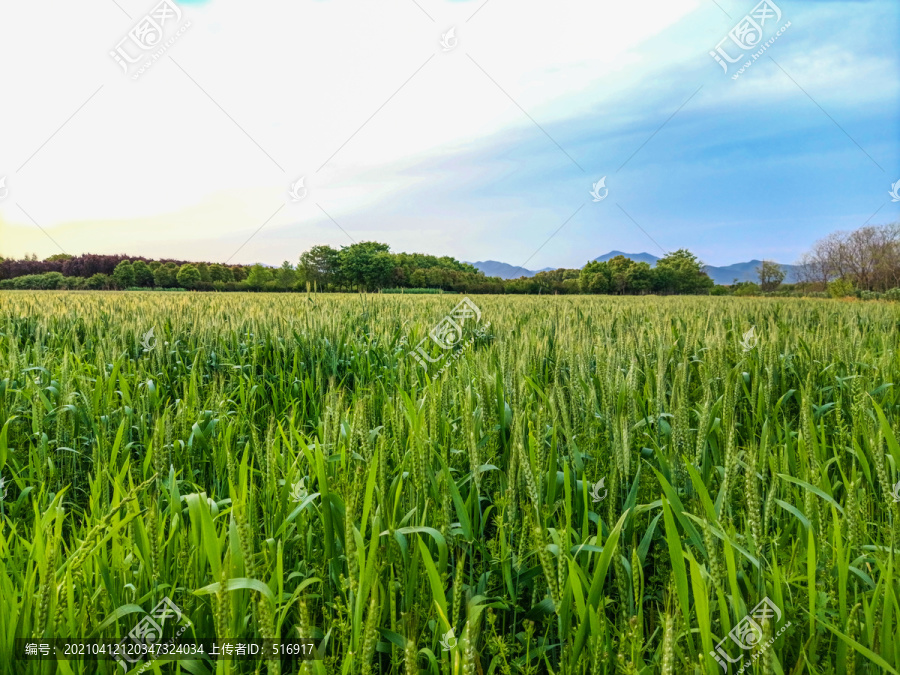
<point>485,147</point>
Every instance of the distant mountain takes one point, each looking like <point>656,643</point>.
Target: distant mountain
<point>492,268</point>
<point>746,271</point>
<point>637,257</point>
<point>725,275</point>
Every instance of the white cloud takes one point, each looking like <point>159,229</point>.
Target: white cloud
<point>155,167</point>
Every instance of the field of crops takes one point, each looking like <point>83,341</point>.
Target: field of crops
<point>589,485</point>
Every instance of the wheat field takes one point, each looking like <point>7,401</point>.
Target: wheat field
<point>589,485</point>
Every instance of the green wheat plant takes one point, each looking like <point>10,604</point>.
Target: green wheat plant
<point>593,485</point>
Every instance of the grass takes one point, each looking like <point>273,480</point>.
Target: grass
<point>278,465</point>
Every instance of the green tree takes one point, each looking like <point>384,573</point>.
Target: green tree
<point>570,286</point>
<point>744,289</point>
<point>381,270</point>
<point>434,277</point>
<point>43,282</point>
<point>620,273</point>
<point>361,265</point>
<point>188,276</point>
<point>640,277</point>
<point>595,277</point>
<point>143,275</point>
<point>259,276</point>
<point>203,268</point>
<point>99,282</point>
<point>219,272</point>
<point>124,274</point>
<point>770,275</point>
<point>681,272</point>
<point>417,279</point>
<point>165,276</point>
<point>841,288</point>
<point>286,276</point>
<point>321,265</point>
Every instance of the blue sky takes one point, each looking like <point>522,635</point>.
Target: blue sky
<point>486,150</point>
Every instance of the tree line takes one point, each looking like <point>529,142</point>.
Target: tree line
<point>867,258</point>
<point>862,263</point>
<point>366,266</point>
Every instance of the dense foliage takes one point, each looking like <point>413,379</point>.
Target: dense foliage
<point>593,486</point>
<point>362,266</point>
